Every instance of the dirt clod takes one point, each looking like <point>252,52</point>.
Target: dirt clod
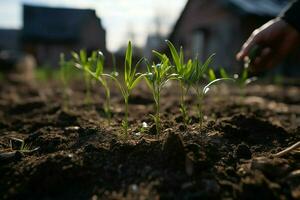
<point>242,151</point>
<point>173,150</point>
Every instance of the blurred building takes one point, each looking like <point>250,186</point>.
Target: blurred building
<point>153,42</point>
<point>48,31</point>
<point>9,39</point>
<point>221,26</point>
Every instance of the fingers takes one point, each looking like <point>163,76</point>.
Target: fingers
<point>266,60</point>
<point>264,55</point>
<point>254,39</point>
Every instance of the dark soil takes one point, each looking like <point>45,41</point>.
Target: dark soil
<point>81,156</point>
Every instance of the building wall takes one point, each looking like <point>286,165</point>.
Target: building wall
<point>9,39</point>
<point>221,33</point>
<point>93,36</point>
<point>88,34</point>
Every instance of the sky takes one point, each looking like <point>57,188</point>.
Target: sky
<point>122,19</point>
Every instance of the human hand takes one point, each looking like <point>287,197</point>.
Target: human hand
<point>276,39</point>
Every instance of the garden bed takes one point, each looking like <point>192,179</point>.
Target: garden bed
<point>78,154</point>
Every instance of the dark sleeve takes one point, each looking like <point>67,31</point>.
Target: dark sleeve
<point>291,14</point>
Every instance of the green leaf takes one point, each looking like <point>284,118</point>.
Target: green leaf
<point>100,61</point>
<point>223,73</point>
<point>207,62</point>
<point>174,54</point>
<point>160,56</point>
<point>128,60</point>
<point>83,57</point>
<point>206,88</point>
<point>136,81</point>
<point>75,55</point>
<point>133,73</point>
<point>181,61</point>
<point>211,74</point>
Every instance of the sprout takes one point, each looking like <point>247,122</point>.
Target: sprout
<point>94,66</point>
<point>82,61</point>
<point>131,79</point>
<point>65,76</point>
<point>241,80</point>
<point>183,70</point>
<point>156,77</point>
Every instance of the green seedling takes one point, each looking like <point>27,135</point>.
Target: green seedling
<point>156,77</point>
<point>183,70</point>
<point>65,76</point>
<point>131,79</point>
<point>197,75</point>
<point>96,70</point>
<point>190,75</point>
<point>241,80</point>
<point>24,148</point>
<point>81,61</point>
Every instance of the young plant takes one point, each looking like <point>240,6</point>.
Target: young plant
<point>190,75</point>
<point>156,77</point>
<point>197,74</point>
<point>241,80</point>
<point>96,69</point>
<point>65,76</point>
<point>82,62</point>
<point>131,79</point>
<point>23,147</point>
<point>183,70</point>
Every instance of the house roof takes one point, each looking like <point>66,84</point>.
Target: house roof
<point>54,24</point>
<point>269,8</point>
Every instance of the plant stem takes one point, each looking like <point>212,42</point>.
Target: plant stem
<point>107,104</point>
<point>88,88</point>
<point>125,125</point>
<point>157,121</point>
<point>199,106</point>
<point>182,104</point>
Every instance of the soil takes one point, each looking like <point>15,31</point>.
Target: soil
<point>78,154</point>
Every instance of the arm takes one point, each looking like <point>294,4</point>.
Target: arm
<point>291,15</point>
<point>278,37</point>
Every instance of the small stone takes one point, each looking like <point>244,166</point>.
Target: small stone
<point>137,134</point>
<point>72,128</point>
<point>144,125</point>
<point>134,188</point>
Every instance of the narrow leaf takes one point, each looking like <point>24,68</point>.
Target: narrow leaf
<point>206,88</point>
